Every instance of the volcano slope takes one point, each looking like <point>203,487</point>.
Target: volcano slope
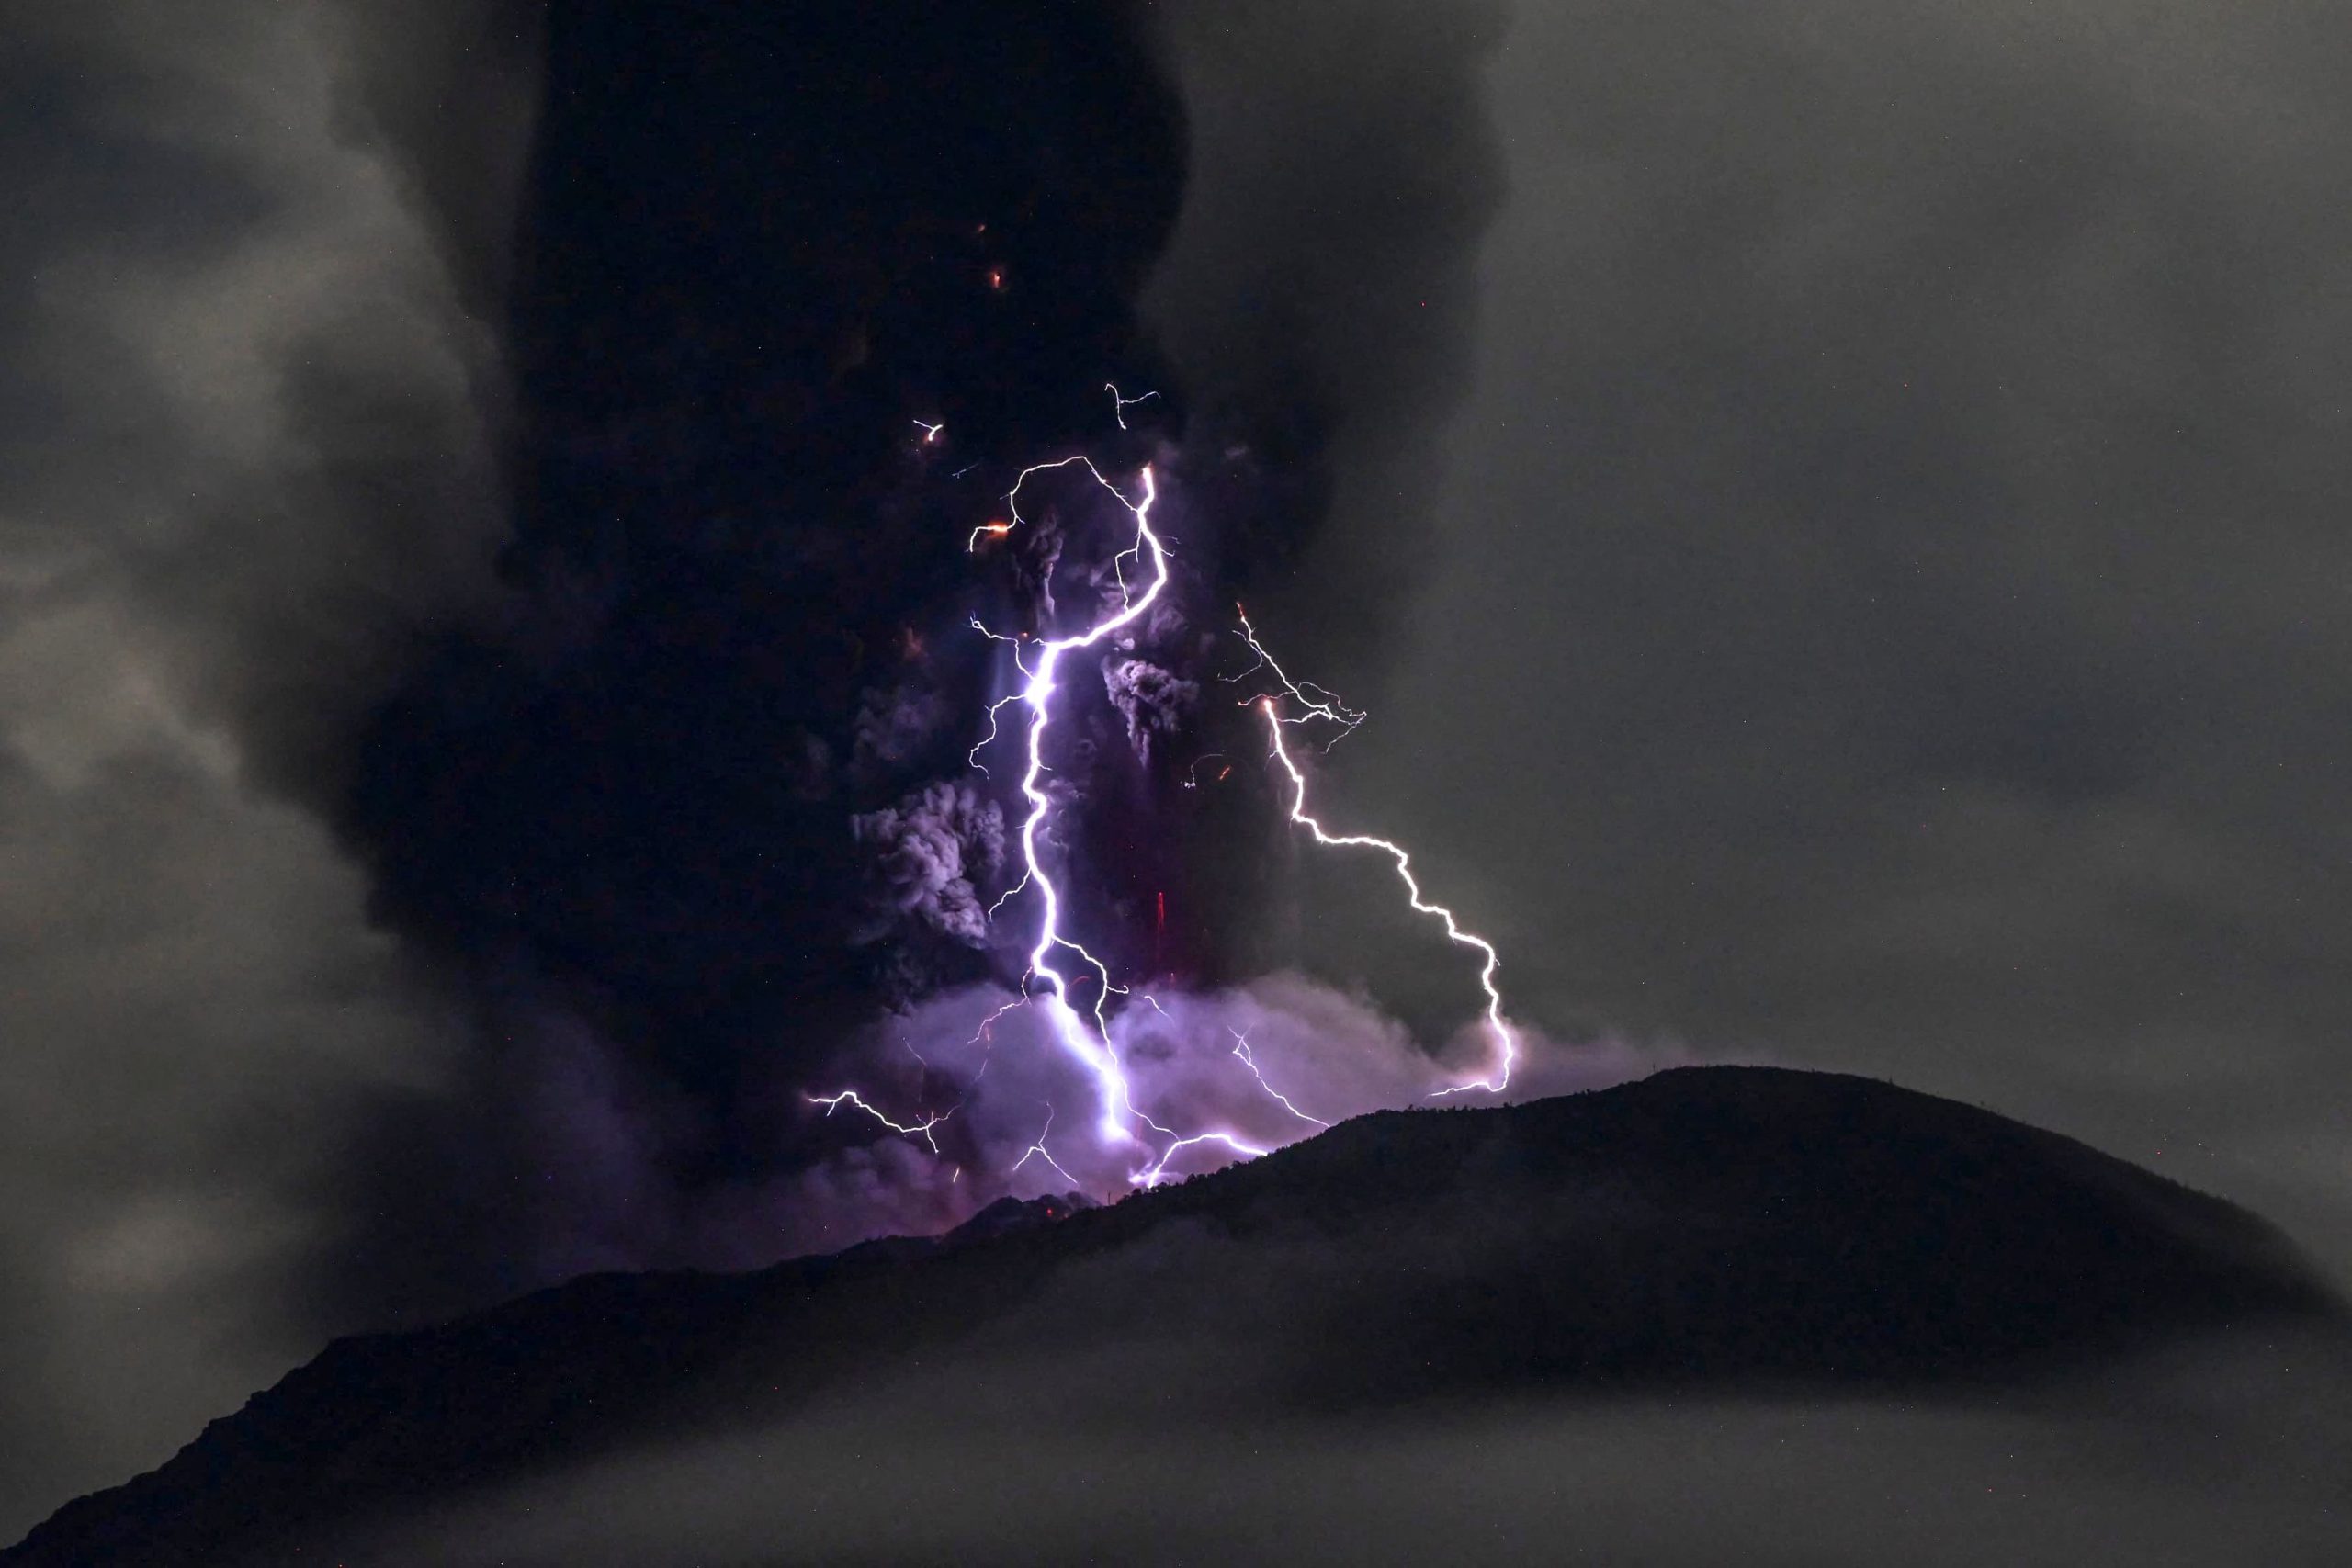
<point>1741,1231</point>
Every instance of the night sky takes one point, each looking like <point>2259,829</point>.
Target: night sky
<point>1835,513</point>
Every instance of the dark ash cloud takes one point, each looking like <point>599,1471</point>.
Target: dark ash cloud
<point>1318,296</point>
<point>703,786</point>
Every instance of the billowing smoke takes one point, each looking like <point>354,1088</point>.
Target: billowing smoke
<point>925,852</point>
<point>1273,1060</point>
<point>648,816</point>
<point>1154,702</point>
<point>251,464</point>
<point>897,727</point>
<point>700,796</point>
<point>487,497</point>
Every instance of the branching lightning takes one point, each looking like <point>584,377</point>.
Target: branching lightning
<point>1505,1044</point>
<point>832,1102</point>
<point>986,1032</point>
<point>1119,405</point>
<point>1156,1172</point>
<point>1060,971</point>
<point>1091,1048</point>
<point>1037,1151</point>
<point>1319,701</point>
<point>995,707</point>
<point>1241,1050</point>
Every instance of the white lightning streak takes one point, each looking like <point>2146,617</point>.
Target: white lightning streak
<point>986,1030</point>
<point>1319,701</point>
<point>1249,1060</point>
<point>973,756</point>
<point>1505,1043</point>
<point>1119,405</point>
<point>1157,1173</point>
<point>1038,1149</point>
<point>832,1102</point>
<point>1091,1049</point>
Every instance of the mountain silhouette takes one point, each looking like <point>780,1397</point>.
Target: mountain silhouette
<point>1706,1228</point>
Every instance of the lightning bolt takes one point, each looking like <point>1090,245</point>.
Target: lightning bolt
<point>1241,1050</point>
<point>1037,1151</point>
<point>1505,1043</point>
<point>832,1102</point>
<point>1060,967</point>
<point>1319,701</point>
<point>1155,1173</point>
<point>1091,1047</point>
<point>1119,405</point>
<point>986,1030</point>
<point>995,707</point>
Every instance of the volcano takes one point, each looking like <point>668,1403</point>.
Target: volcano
<point>1728,1230</point>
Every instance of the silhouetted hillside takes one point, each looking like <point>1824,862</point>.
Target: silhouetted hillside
<point>1704,1227</point>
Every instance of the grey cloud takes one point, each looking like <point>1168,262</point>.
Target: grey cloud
<point>252,410</point>
<point>247,417</point>
<point>926,853</point>
<point>195,1012</point>
<point>1153,701</point>
<point>1885,605</point>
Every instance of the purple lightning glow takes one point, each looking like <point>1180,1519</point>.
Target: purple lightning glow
<point>1157,1171</point>
<point>1241,1050</point>
<point>1037,1151</point>
<point>1092,1049</point>
<point>1061,970</point>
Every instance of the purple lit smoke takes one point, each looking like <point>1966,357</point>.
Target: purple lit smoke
<point>1072,1076</point>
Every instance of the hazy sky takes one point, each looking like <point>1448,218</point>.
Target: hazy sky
<point>1888,601</point>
